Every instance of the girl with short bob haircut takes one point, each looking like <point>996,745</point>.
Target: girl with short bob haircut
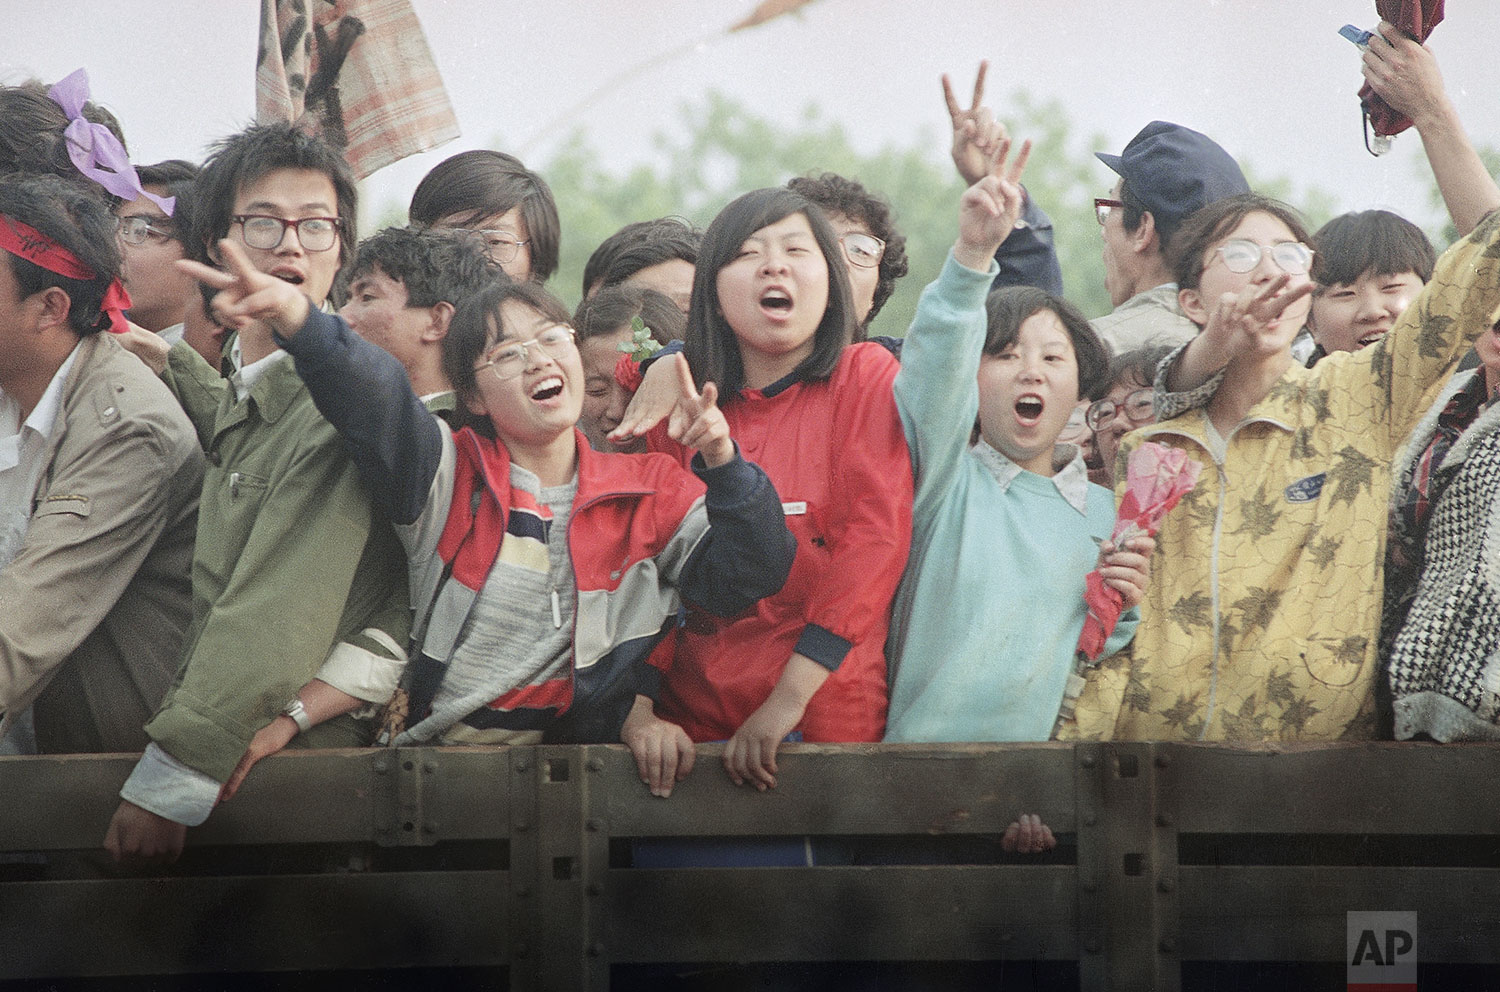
<point>987,621</point>
<point>772,323</point>
<point>1369,265</point>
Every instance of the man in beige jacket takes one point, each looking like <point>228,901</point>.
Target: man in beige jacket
<point>100,472</point>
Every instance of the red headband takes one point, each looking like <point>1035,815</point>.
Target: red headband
<point>24,241</point>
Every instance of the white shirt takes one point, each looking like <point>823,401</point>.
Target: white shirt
<point>21,462</point>
<point>245,376</point>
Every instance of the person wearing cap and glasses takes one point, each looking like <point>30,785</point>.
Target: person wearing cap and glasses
<point>1167,173</point>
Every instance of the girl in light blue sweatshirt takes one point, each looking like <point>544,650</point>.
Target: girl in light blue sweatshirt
<point>986,623</point>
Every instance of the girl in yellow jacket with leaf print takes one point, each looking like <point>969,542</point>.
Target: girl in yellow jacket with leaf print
<point>1262,622</point>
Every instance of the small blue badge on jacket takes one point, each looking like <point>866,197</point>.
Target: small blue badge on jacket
<point>1306,490</point>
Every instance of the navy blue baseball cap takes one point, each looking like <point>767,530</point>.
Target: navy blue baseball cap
<point>1174,170</point>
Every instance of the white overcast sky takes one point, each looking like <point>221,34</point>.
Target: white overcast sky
<point>1269,79</point>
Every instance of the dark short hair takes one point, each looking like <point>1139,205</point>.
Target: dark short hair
<point>614,306</point>
<point>667,240</point>
<point>1375,241</point>
<point>477,184</point>
<point>435,265</point>
<point>469,333</point>
<point>1214,222</point>
<point>662,228</point>
<point>713,351</point>
<point>176,176</point>
<point>79,222</point>
<point>837,195</point>
<point>1138,365</point>
<point>241,159</point>
<point>1133,211</point>
<point>31,134</point>
<point>1008,308</point>
<point>165,173</point>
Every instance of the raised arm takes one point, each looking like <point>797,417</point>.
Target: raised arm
<point>935,389</point>
<point>1238,323</point>
<point>358,387</point>
<point>1405,74</point>
<point>1028,257</point>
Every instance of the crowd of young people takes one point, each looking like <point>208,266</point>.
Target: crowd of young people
<point>394,492</point>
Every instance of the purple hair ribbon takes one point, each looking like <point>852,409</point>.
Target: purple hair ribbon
<point>94,149</point>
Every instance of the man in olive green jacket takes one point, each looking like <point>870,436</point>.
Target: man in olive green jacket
<point>300,612</point>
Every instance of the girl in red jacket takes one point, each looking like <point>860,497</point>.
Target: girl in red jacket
<point>772,322</point>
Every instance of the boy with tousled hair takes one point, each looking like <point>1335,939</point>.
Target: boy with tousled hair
<point>404,285</point>
<point>300,613</point>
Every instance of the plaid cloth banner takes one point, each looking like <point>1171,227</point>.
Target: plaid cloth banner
<point>357,72</point>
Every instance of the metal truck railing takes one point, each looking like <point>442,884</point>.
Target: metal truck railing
<point>516,864</point>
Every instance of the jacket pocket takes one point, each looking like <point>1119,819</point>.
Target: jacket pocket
<point>72,504</point>
<point>244,486</point>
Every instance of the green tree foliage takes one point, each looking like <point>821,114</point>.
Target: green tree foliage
<point>1446,234</point>
<point>721,149</point>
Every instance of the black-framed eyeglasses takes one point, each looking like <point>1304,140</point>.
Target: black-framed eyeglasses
<point>1102,206</point>
<point>508,359</point>
<point>1241,255</point>
<point>265,232</point>
<point>501,246</point>
<point>1138,406</point>
<point>862,250</point>
<point>137,230</point>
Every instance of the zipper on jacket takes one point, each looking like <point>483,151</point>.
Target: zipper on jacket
<point>556,610</point>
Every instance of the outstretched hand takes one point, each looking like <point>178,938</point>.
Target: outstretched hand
<point>989,209</point>
<point>658,395</point>
<point>1248,322</point>
<point>246,293</point>
<point>976,133</point>
<point>696,421</point>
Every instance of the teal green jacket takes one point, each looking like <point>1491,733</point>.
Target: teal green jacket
<point>291,560</point>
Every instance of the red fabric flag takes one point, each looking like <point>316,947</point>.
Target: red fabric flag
<point>358,73</point>
<point>1417,18</point>
<point>1156,479</point>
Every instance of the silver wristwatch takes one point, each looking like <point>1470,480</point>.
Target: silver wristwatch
<point>298,713</point>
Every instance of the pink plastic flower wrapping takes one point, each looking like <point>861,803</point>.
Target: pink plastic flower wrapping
<point>1156,479</point>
